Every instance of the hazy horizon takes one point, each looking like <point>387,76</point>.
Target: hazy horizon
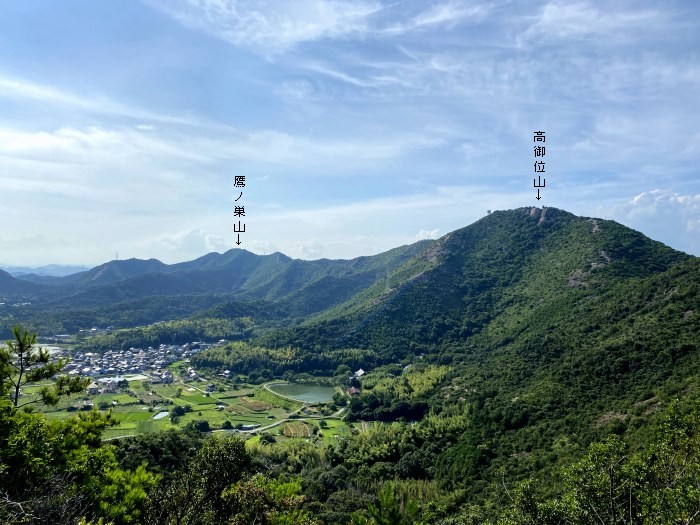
<point>93,265</point>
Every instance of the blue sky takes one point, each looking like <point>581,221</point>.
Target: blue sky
<point>359,125</point>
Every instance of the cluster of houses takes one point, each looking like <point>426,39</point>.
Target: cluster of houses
<point>15,304</point>
<point>132,361</point>
<point>105,385</point>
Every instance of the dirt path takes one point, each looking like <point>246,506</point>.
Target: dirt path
<point>335,415</point>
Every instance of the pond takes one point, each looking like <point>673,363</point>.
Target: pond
<point>305,393</point>
<point>160,415</point>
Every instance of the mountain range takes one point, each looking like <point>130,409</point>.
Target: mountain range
<point>457,284</point>
<point>50,270</point>
<point>549,331</point>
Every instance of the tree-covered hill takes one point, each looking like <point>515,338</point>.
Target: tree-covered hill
<point>558,330</point>
<point>510,261</point>
<point>85,299</point>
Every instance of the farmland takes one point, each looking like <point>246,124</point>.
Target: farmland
<point>245,408</point>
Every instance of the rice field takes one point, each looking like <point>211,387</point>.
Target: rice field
<point>134,409</point>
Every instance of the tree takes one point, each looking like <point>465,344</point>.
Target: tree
<point>54,472</point>
<point>199,424</point>
<point>196,496</point>
<point>22,363</point>
<point>268,439</point>
<point>389,510</point>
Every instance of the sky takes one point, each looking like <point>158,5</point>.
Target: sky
<point>358,126</point>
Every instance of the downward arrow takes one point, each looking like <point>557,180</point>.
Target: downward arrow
<point>538,194</point>
<point>239,235</point>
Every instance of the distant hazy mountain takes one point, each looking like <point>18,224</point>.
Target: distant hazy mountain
<point>12,288</point>
<point>129,289</point>
<point>52,270</point>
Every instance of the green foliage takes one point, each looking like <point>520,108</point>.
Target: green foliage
<point>200,425</point>
<point>270,501</point>
<point>246,358</point>
<point>612,484</point>
<point>520,365</point>
<point>59,471</point>
<point>389,510</point>
<point>21,363</point>
<point>197,495</point>
<point>166,453</point>
<point>397,398</point>
<point>123,494</point>
<point>170,332</point>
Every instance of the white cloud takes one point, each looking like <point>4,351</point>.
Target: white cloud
<point>447,14</point>
<point>259,246</point>
<point>664,215</point>
<point>270,24</point>
<point>310,249</point>
<point>560,20</point>
<point>22,90</point>
<point>428,234</point>
<point>190,241</point>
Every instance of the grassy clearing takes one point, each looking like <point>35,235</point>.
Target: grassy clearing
<point>131,417</point>
<point>236,393</point>
<point>122,399</point>
<point>334,430</point>
<point>262,394</point>
<point>199,399</point>
<point>256,405</point>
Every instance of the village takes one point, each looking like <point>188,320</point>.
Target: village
<point>110,368</point>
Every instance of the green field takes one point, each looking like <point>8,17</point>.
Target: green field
<point>242,406</point>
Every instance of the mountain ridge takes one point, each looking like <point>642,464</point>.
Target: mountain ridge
<point>475,262</point>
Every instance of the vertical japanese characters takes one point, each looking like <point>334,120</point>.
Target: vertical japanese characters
<point>539,140</point>
<point>239,209</point>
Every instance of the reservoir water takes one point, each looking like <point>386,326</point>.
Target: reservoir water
<point>306,393</point>
<point>160,415</point>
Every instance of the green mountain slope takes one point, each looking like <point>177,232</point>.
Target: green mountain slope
<point>510,261</point>
<point>559,330</point>
<point>300,287</point>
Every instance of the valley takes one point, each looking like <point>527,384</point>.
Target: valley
<point>470,374</point>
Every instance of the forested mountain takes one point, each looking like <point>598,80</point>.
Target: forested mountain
<point>513,365</point>
<point>558,330</point>
<point>122,293</point>
<point>516,264</point>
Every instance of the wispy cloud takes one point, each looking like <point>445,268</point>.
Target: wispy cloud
<point>446,14</point>
<point>26,90</point>
<point>270,24</point>
<point>97,145</point>
<point>560,20</point>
